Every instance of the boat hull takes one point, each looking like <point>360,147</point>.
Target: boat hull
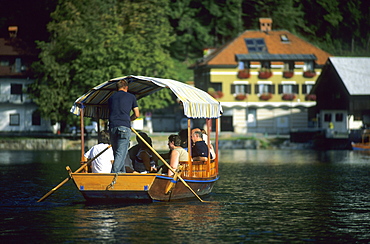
<point>137,187</point>
<point>361,146</point>
<point>180,191</point>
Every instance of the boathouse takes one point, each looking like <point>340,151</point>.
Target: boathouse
<point>343,96</point>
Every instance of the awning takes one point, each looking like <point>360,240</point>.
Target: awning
<point>196,103</point>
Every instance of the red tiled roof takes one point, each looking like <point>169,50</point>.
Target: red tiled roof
<point>6,49</point>
<point>14,47</point>
<point>226,54</point>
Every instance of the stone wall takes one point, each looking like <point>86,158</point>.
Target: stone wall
<point>42,144</point>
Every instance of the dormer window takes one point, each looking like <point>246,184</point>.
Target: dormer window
<point>256,45</point>
<point>284,38</point>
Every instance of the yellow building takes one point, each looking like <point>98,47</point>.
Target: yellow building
<point>262,79</point>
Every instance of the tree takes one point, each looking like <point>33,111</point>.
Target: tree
<point>203,24</point>
<point>95,40</point>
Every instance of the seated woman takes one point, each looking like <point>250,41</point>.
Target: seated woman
<point>199,150</point>
<point>177,152</point>
<point>145,161</point>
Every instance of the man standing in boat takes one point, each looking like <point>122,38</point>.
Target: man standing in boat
<point>120,105</point>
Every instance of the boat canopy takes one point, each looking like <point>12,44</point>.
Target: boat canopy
<point>196,103</point>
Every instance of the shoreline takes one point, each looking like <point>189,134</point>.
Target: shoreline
<point>226,141</point>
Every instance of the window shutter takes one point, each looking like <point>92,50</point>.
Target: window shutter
<point>304,89</point>
<point>295,89</point>
<point>272,89</point>
<point>280,87</point>
<point>256,89</point>
<point>248,89</point>
<point>232,89</point>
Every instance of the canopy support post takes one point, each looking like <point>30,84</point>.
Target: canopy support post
<point>82,135</point>
<point>190,162</point>
<point>216,149</point>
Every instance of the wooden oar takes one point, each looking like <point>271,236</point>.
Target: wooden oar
<point>67,179</point>
<point>169,167</point>
<point>171,183</point>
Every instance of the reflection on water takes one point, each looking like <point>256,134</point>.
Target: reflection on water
<point>262,196</point>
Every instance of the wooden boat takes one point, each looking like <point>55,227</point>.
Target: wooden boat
<point>196,179</point>
<point>364,145</point>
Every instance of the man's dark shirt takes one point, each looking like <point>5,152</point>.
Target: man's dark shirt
<point>120,106</point>
<point>200,149</point>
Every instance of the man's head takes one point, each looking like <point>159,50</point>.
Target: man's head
<point>104,137</point>
<point>122,84</point>
<point>196,135</point>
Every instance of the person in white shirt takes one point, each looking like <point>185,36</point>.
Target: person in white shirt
<point>103,163</point>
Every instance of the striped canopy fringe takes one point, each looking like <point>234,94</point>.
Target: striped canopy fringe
<point>196,103</point>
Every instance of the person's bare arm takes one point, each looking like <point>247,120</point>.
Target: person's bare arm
<point>146,160</point>
<point>174,161</point>
<point>136,114</point>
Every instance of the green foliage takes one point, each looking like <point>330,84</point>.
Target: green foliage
<point>95,40</point>
<point>203,24</point>
<point>92,41</point>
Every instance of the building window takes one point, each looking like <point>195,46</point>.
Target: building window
<point>256,45</point>
<point>327,117</point>
<point>215,89</point>
<point>265,65</point>
<point>14,119</point>
<point>240,89</point>
<point>288,89</point>
<point>338,117</point>
<point>308,66</point>
<point>18,65</point>
<point>217,86</point>
<point>244,65</point>
<point>264,88</point>
<point>306,88</point>
<point>284,38</point>
<point>36,118</point>
<point>16,89</point>
<point>4,63</point>
<point>289,66</point>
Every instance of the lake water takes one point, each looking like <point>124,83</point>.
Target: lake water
<point>263,196</point>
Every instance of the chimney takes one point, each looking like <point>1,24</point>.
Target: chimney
<point>13,31</point>
<point>265,24</point>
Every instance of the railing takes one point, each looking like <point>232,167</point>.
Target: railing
<point>12,98</point>
<point>199,169</point>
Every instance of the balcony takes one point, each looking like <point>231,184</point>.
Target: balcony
<point>265,96</point>
<point>243,74</point>
<point>288,96</point>
<point>241,97</point>
<point>264,74</point>
<point>309,74</point>
<point>288,74</point>
<point>310,97</point>
<point>216,94</point>
<point>14,99</point>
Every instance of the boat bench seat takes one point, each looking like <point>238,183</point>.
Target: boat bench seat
<point>198,169</point>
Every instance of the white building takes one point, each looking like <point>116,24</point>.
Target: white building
<point>17,111</point>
